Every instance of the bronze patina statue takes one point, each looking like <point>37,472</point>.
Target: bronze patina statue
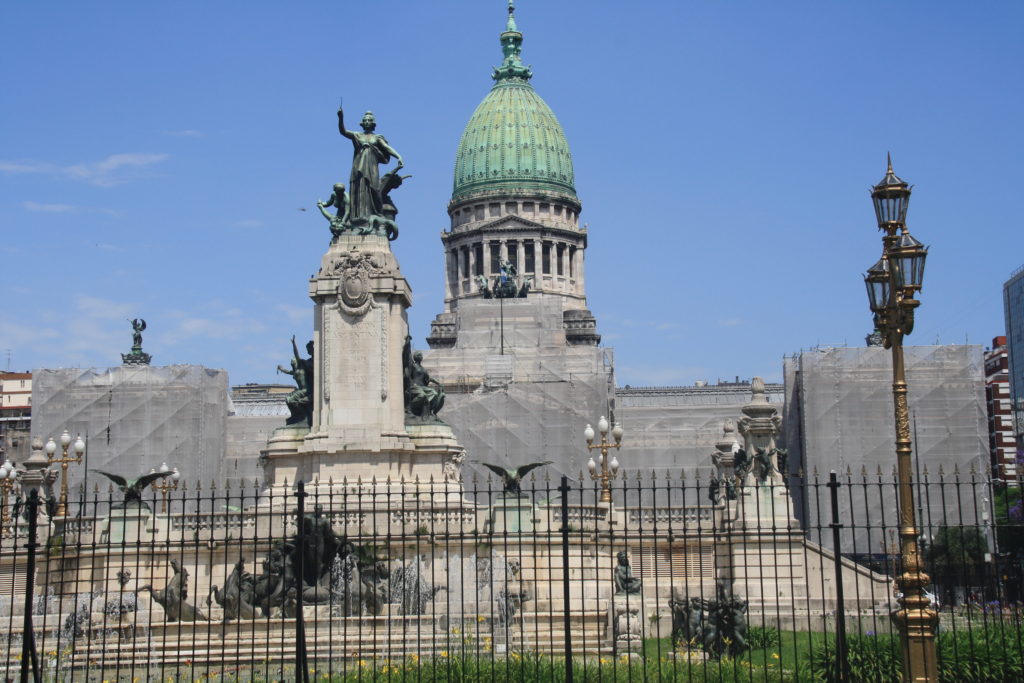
<point>512,477</point>
<point>136,356</point>
<point>300,401</point>
<point>339,200</point>
<point>133,488</point>
<point>625,582</point>
<point>370,210</point>
<point>424,396</point>
<point>172,596</point>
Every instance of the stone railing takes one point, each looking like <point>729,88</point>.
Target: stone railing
<point>686,517</point>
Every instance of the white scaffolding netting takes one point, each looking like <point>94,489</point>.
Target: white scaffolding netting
<point>134,418</point>
<point>839,416</point>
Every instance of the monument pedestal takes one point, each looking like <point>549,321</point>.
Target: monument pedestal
<point>359,441</point>
<point>130,525</point>
<point>511,514</point>
<point>625,624</point>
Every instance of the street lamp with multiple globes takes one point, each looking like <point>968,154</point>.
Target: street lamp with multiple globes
<point>166,485</point>
<point>8,480</point>
<point>604,471</point>
<point>892,283</point>
<point>64,460</point>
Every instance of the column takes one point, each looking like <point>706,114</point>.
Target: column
<point>521,255</point>
<point>503,251</point>
<point>472,264</point>
<point>580,284</point>
<point>451,275</point>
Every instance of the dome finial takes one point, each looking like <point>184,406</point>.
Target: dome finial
<point>512,68</point>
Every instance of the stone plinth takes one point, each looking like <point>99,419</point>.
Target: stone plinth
<point>359,436</point>
<point>360,297</point>
<point>511,514</point>
<point>625,623</point>
<point>130,525</point>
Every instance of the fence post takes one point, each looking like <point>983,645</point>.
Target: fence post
<point>301,660</point>
<point>841,650</point>
<point>29,656</point>
<point>566,620</point>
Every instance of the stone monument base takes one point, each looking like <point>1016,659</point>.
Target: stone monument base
<point>511,514</point>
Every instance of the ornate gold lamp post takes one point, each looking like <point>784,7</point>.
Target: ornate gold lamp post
<point>64,460</point>
<point>892,284</point>
<point>8,480</point>
<point>605,471</point>
<point>166,485</point>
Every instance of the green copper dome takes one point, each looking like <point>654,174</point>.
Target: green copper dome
<point>513,140</point>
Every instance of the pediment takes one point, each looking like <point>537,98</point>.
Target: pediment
<point>512,222</point>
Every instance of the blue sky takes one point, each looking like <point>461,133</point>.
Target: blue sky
<point>154,158</point>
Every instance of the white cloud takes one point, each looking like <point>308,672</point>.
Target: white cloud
<point>216,322</point>
<point>115,169</point>
<point>50,208</point>
<point>104,308</point>
<point>296,314</point>
<point>41,207</point>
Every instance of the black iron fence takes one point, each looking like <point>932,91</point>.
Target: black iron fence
<point>681,578</point>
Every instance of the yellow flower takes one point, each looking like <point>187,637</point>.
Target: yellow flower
<point>362,662</point>
<point>481,617</point>
<point>775,655</point>
<point>602,660</point>
<point>455,630</point>
<point>444,653</point>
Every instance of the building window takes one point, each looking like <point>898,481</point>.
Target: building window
<point>527,207</point>
<point>465,262</point>
<point>530,264</point>
<point>478,212</point>
<point>545,208</point>
<point>495,257</point>
<point>479,257</point>
<point>558,260</point>
<point>511,208</point>
<point>558,210</point>
<point>546,258</point>
<point>495,209</point>
<point>513,254</point>
<point>572,260</point>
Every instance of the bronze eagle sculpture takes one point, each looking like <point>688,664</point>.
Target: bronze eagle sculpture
<point>513,477</point>
<point>133,488</point>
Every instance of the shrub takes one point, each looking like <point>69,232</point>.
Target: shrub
<point>761,638</point>
<point>870,659</point>
<point>984,654</point>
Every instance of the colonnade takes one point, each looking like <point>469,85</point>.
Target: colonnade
<point>555,265</point>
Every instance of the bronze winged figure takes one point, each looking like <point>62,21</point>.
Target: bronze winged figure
<point>513,477</point>
<point>133,488</point>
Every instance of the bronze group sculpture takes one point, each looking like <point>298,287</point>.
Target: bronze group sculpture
<point>719,626</point>
<point>238,595</point>
<point>368,208</point>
